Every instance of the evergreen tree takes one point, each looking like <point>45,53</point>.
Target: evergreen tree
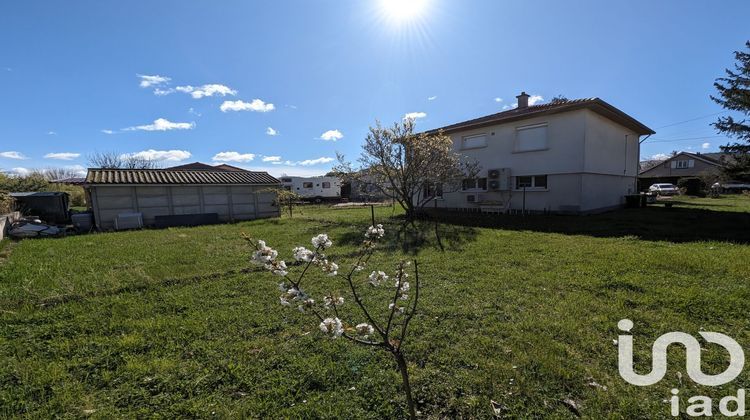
<point>734,94</point>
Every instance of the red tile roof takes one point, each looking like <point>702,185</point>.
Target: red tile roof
<point>97,176</point>
<point>595,104</point>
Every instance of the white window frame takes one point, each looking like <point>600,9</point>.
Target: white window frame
<point>516,143</point>
<point>473,136</point>
<point>533,186</point>
<point>475,188</point>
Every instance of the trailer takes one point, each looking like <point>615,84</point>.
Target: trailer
<point>318,188</point>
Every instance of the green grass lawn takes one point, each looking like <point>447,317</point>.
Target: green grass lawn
<point>522,311</point>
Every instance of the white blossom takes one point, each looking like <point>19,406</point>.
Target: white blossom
<point>364,330</point>
<point>306,304</point>
<point>332,326</point>
<point>376,277</point>
<point>264,254</point>
<point>329,301</point>
<point>399,309</point>
<point>321,241</point>
<point>329,267</point>
<point>277,267</point>
<point>375,232</point>
<point>303,254</point>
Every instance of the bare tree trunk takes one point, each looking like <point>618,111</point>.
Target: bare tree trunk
<point>401,361</point>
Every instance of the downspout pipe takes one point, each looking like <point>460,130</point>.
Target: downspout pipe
<point>638,172</point>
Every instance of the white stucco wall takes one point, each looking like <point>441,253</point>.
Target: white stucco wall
<point>591,162</point>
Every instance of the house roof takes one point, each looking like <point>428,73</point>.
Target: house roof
<point>199,166</point>
<point>98,176</point>
<point>716,159</point>
<point>71,181</point>
<point>226,167</point>
<point>594,104</point>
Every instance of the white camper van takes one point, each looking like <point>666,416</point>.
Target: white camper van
<point>318,188</point>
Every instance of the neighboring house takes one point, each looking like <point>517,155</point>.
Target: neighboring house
<point>573,156</point>
<point>199,166</point>
<point>363,187</point>
<point>683,165</point>
<point>178,196</point>
<point>317,187</point>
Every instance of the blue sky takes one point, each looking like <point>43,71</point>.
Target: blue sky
<point>319,72</point>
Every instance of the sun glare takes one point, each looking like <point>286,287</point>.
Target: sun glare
<point>402,10</point>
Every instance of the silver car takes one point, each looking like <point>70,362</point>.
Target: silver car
<point>664,189</point>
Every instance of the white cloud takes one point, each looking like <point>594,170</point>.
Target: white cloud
<point>705,146</point>
<point>160,155</point>
<point>206,90</point>
<point>163,92</point>
<point>659,156</point>
<point>534,99</point>
<point>318,161</point>
<point>509,106</point>
<point>432,98</point>
<point>105,131</point>
<point>51,133</point>
<point>498,100</point>
<point>271,131</point>
<point>156,80</point>
<point>162,124</point>
<point>13,155</point>
<point>332,135</point>
<point>233,157</point>
<point>194,112</point>
<point>271,158</point>
<point>256,105</point>
<point>20,171</point>
<point>62,156</point>
<point>414,116</point>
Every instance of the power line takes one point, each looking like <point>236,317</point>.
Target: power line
<point>683,139</point>
<point>690,120</point>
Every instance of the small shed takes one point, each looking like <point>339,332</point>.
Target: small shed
<point>49,206</point>
<point>161,195</point>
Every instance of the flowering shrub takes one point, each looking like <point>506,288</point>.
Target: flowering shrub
<point>388,334</point>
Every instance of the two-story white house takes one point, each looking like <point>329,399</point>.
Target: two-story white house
<point>572,156</point>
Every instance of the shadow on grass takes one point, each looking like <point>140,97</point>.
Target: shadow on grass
<point>411,237</point>
<point>676,224</point>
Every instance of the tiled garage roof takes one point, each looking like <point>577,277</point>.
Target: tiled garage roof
<point>177,177</point>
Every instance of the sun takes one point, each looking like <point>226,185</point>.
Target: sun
<point>403,10</point>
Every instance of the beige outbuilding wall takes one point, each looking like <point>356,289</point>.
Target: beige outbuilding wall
<point>230,202</point>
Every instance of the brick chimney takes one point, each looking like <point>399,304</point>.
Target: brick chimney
<point>523,100</point>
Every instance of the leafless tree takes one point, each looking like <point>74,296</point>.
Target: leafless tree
<point>57,173</point>
<point>409,167</point>
<point>115,160</point>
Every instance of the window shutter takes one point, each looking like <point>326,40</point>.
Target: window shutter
<point>531,138</point>
<point>691,163</point>
<point>674,164</point>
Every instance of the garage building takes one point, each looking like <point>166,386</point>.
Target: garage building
<point>170,197</point>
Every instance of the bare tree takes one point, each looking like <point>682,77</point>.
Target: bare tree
<point>115,160</point>
<point>409,167</point>
<point>54,174</point>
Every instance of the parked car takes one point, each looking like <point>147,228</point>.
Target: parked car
<point>664,189</point>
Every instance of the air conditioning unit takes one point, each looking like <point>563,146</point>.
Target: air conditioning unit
<point>129,221</point>
<point>499,179</point>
